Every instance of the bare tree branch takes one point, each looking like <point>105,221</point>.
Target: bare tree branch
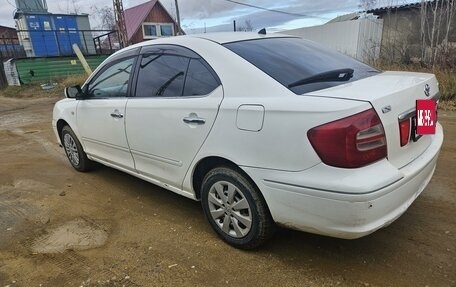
<point>247,27</point>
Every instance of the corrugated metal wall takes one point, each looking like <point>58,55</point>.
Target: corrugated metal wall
<point>46,69</point>
<point>359,39</point>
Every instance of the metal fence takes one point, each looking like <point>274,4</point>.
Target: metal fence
<point>3,81</point>
<point>49,45</point>
<point>10,48</point>
<point>107,43</point>
<point>56,43</point>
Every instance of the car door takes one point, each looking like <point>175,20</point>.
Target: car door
<point>176,102</point>
<point>101,115</point>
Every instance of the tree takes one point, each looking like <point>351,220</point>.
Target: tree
<point>247,27</point>
<point>366,5</point>
<point>396,37</point>
<point>106,39</point>
<point>437,20</point>
<point>106,15</point>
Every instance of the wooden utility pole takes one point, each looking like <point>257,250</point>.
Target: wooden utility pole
<point>178,19</point>
<point>120,23</point>
<point>81,58</point>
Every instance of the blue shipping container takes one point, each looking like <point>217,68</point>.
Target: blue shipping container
<point>67,34</point>
<point>41,36</point>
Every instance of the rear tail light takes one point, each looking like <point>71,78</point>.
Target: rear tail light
<point>404,127</point>
<point>350,142</point>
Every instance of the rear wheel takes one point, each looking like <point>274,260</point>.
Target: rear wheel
<point>73,149</point>
<point>235,209</point>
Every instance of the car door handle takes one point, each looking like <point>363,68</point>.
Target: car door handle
<point>116,114</point>
<point>194,120</point>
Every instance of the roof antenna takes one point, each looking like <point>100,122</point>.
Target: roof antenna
<point>262,31</point>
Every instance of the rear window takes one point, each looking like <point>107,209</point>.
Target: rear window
<point>288,60</point>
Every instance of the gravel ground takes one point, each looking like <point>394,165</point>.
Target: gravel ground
<point>59,227</point>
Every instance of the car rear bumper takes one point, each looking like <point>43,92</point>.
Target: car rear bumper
<point>352,203</point>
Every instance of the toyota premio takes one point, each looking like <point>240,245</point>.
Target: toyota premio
<point>262,129</point>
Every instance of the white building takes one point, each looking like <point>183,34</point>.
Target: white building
<point>353,35</point>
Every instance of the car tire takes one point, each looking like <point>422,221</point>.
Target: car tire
<point>235,208</point>
<point>74,151</point>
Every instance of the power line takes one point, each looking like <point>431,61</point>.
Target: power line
<point>274,10</point>
<point>10,3</point>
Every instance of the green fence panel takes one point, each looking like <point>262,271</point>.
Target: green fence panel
<point>47,69</point>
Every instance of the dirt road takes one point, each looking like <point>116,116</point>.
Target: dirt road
<point>59,227</point>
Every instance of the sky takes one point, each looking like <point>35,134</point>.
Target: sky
<point>215,15</point>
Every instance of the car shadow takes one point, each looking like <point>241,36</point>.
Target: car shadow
<point>292,246</point>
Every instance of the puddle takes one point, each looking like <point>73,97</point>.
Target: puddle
<point>78,234</point>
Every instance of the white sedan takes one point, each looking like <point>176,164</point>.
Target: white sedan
<point>262,129</point>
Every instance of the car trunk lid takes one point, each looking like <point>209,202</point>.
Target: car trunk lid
<point>393,95</point>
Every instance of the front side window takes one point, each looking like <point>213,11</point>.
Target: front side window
<point>161,75</point>
<point>113,81</point>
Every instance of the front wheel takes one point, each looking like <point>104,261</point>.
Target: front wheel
<point>74,152</point>
<point>235,209</point>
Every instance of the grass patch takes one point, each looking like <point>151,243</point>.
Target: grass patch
<point>35,91</point>
<point>73,80</point>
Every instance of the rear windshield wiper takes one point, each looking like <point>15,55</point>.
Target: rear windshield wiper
<point>339,75</point>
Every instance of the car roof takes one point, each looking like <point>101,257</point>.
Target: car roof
<point>227,37</point>
<point>219,37</point>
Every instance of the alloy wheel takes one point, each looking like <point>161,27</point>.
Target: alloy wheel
<point>230,209</point>
<point>71,149</point>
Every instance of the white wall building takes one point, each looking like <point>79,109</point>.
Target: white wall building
<point>359,38</point>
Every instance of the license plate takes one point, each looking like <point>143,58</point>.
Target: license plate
<point>425,117</point>
<point>415,137</point>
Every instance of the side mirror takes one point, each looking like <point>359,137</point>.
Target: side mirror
<point>74,92</point>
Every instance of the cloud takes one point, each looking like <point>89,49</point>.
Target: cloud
<point>216,14</point>
<point>220,8</point>
<point>318,12</point>
<point>219,15</point>
<point>258,20</point>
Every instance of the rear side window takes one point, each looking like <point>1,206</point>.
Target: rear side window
<point>289,60</point>
<point>200,80</point>
<point>173,71</point>
<point>161,75</point>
